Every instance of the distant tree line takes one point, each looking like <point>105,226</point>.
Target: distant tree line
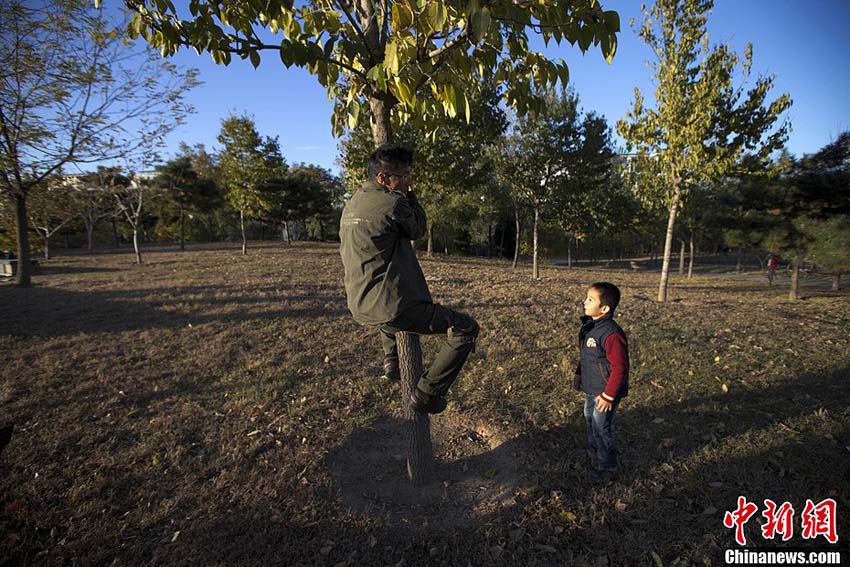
<point>245,191</point>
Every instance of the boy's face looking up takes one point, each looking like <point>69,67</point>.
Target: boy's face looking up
<point>593,306</point>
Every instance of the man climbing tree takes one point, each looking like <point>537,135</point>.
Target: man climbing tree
<point>384,282</point>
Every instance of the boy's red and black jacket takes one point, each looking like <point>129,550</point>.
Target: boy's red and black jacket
<point>604,362</point>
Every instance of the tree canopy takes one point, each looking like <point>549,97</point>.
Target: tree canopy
<point>384,54</point>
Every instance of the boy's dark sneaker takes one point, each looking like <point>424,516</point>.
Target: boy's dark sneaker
<point>426,403</point>
<point>391,371</point>
<point>603,476</point>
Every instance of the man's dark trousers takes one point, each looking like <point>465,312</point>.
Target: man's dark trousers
<point>434,319</point>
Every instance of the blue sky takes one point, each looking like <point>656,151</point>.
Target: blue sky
<point>803,42</point>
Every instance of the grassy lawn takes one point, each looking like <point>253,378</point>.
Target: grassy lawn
<point>208,408</point>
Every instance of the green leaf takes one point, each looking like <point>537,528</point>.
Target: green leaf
<point>609,46</point>
<point>435,15</point>
<point>353,112</point>
<point>403,91</point>
<point>328,48</point>
<point>585,37</point>
<point>286,55</point>
<point>255,58</point>
<point>391,57</point>
<point>402,17</point>
<point>564,74</point>
<point>612,21</point>
<point>480,24</point>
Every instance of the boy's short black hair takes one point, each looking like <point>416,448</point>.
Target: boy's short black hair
<point>386,157</point>
<point>609,294</point>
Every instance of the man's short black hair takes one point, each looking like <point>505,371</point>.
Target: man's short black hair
<point>386,157</point>
<point>609,294</point>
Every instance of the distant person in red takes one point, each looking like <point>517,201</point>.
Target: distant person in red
<point>603,375</point>
<point>772,262</point>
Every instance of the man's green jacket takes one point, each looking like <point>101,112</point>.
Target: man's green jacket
<point>382,275</point>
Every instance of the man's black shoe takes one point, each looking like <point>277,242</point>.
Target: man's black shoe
<point>391,371</point>
<point>426,403</point>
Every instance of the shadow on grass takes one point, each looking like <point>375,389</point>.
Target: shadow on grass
<point>685,464</point>
<point>50,270</point>
<point>49,312</point>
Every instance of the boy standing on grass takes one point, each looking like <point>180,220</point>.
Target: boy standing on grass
<point>603,375</point>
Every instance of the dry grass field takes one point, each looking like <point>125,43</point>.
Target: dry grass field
<point>206,408</point>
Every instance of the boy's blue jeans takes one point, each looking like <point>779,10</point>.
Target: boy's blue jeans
<point>600,432</point>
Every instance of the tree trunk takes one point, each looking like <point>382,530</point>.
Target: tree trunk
<point>24,278</point>
<point>737,260</point>
<point>46,247</point>
<point>569,252</point>
<point>691,259</point>
<point>430,249</point>
<point>115,241</point>
<point>516,239</point>
<point>182,229</point>
<point>242,227</point>
<point>419,452</point>
<point>836,281</point>
<point>793,293</point>
<point>489,240</point>
<point>502,242</point>
<point>136,248</point>
<point>668,246</point>
<point>535,270</point>
<point>90,234</point>
<point>380,121</point>
<point>682,259</point>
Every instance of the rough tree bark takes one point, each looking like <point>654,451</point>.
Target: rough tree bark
<point>242,227</point>
<point>516,239</point>
<point>668,245</point>
<point>793,294</point>
<point>691,259</point>
<point>420,457</point>
<point>535,269</point>
<point>24,273</point>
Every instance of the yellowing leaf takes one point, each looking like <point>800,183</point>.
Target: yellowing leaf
<point>402,17</point>
<point>391,57</point>
<point>568,516</point>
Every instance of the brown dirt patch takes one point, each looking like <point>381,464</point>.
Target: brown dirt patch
<point>475,473</point>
